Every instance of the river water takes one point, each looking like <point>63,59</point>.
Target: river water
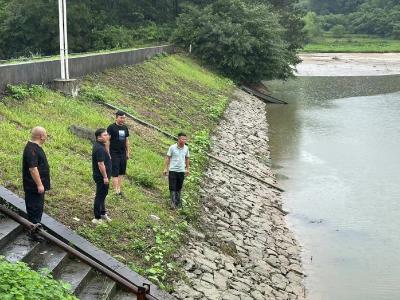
<point>336,151</point>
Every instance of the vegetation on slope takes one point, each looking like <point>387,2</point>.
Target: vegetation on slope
<point>18,281</point>
<point>172,92</point>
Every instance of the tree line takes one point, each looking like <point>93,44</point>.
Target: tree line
<point>31,27</point>
<point>372,17</point>
<point>246,40</point>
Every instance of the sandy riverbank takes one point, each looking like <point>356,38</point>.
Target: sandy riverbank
<point>349,64</point>
<point>243,248</point>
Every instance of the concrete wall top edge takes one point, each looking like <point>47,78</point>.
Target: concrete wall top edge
<point>82,55</point>
<point>45,71</point>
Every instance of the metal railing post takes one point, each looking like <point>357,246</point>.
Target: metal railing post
<point>61,30</point>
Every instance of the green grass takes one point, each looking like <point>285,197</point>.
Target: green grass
<point>172,92</point>
<point>353,43</point>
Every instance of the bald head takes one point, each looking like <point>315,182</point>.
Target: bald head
<point>38,134</point>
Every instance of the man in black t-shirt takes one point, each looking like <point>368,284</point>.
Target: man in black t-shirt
<point>36,177</point>
<point>101,166</point>
<point>119,149</point>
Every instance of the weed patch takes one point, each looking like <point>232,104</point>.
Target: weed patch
<point>18,281</point>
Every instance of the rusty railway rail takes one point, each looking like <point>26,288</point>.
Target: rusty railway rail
<point>141,292</point>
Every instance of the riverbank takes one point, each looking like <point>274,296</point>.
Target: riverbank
<point>172,92</point>
<point>242,248</point>
<point>349,64</point>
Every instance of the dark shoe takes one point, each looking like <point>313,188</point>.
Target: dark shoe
<point>34,237</point>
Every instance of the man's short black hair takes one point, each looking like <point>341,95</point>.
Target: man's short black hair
<point>181,134</point>
<point>120,113</point>
<point>99,132</point>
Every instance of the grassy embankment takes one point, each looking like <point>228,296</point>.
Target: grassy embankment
<point>353,43</point>
<point>172,92</point>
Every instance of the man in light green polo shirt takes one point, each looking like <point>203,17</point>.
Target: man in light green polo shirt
<point>177,165</point>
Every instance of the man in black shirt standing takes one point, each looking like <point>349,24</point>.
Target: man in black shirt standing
<point>36,177</point>
<point>119,149</point>
<point>101,166</point>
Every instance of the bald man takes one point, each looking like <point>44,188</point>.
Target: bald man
<point>36,177</point>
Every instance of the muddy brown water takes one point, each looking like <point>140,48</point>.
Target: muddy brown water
<point>336,150</point>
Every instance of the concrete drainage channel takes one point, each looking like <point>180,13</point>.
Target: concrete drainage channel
<point>92,276</point>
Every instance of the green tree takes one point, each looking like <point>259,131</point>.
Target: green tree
<point>312,27</point>
<point>338,31</point>
<point>377,18</point>
<point>329,21</point>
<point>243,41</point>
<point>291,19</point>
<point>374,17</point>
<point>30,27</point>
<point>323,7</point>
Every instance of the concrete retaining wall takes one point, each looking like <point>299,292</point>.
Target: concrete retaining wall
<point>46,71</point>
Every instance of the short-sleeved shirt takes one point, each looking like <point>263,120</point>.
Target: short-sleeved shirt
<point>34,157</point>
<point>118,138</point>
<point>178,157</point>
<point>100,154</point>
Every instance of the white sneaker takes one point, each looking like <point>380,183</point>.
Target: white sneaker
<point>106,218</point>
<point>97,221</point>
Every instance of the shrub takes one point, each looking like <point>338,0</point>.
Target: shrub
<point>312,27</point>
<point>152,33</point>
<point>112,37</point>
<point>338,31</point>
<point>22,92</point>
<point>144,179</point>
<point>20,282</point>
<point>98,93</point>
<point>217,110</point>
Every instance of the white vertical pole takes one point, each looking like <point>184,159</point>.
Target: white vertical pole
<point>65,39</point>
<point>61,27</point>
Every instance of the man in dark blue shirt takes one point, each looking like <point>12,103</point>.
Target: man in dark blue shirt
<point>101,166</point>
<point>36,177</point>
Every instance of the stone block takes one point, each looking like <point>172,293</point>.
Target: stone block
<point>69,87</point>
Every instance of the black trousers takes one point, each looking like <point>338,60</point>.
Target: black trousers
<point>175,180</point>
<point>34,206</point>
<point>99,200</point>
